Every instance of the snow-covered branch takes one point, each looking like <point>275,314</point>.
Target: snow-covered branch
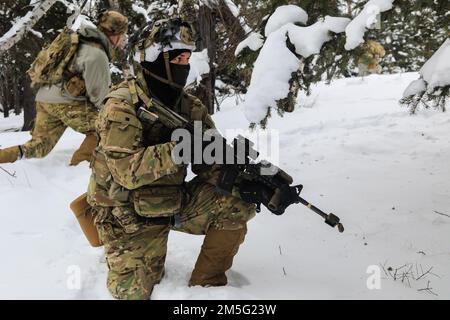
<point>284,15</point>
<point>199,66</point>
<point>276,62</point>
<point>434,82</point>
<point>369,18</point>
<point>25,24</point>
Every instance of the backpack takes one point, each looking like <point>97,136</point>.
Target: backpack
<point>51,63</point>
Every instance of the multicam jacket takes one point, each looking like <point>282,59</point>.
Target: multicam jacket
<point>373,51</point>
<point>132,165</point>
<point>92,63</point>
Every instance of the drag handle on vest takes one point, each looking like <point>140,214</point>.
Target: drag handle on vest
<point>85,216</point>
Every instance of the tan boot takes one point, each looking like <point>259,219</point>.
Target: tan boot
<point>216,257</point>
<point>86,216</point>
<point>9,155</point>
<point>84,152</point>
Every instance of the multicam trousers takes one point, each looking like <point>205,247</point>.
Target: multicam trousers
<point>51,122</point>
<point>136,259</point>
<point>365,70</point>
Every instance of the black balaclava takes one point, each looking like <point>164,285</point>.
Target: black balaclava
<point>166,93</point>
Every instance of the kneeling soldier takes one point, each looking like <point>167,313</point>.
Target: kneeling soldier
<point>140,194</point>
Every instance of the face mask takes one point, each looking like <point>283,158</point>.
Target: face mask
<point>164,92</point>
<point>180,73</point>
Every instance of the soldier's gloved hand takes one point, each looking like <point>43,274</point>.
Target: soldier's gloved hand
<point>252,192</point>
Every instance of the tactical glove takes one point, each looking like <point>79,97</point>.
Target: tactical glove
<point>253,192</point>
<point>275,200</point>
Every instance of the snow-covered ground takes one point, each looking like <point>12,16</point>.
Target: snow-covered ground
<point>12,123</point>
<point>358,154</point>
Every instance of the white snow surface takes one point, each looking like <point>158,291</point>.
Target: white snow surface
<point>12,123</point>
<point>82,20</point>
<point>233,8</point>
<point>284,15</point>
<point>367,19</point>
<point>199,66</point>
<point>140,10</point>
<point>415,87</point>
<point>254,42</point>
<point>309,40</point>
<point>358,154</point>
<point>436,71</point>
<point>275,63</point>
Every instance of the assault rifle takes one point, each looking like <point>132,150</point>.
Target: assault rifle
<point>267,176</point>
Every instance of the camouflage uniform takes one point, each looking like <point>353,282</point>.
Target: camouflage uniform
<point>74,102</point>
<point>51,122</point>
<point>140,195</point>
<point>369,61</point>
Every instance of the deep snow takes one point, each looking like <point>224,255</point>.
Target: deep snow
<point>358,154</point>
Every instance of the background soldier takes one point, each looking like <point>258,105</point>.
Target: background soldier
<point>369,62</point>
<point>137,190</point>
<point>74,101</point>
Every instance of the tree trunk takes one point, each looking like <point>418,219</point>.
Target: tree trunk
<point>235,33</point>
<point>7,91</point>
<point>3,94</point>
<point>206,91</point>
<point>29,108</point>
<point>17,94</point>
<point>233,25</point>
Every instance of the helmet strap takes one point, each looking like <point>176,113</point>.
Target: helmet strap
<point>169,73</point>
<point>170,83</point>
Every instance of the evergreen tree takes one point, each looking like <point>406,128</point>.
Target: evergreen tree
<point>435,93</point>
<point>314,67</point>
<point>412,32</point>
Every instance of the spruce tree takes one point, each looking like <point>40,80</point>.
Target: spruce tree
<point>412,32</point>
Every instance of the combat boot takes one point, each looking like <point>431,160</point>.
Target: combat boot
<point>9,155</point>
<point>86,149</point>
<point>216,257</point>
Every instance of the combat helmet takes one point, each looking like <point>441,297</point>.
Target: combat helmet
<point>112,23</point>
<point>163,36</point>
<point>151,51</point>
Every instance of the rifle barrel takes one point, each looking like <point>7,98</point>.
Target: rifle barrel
<point>330,219</point>
<point>313,208</point>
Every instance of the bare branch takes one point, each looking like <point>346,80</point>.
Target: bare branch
<point>442,214</point>
<point>424,274</point>
<point>428,289</point>
<point>9,173</point>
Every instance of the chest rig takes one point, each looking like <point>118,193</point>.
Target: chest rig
<point>155,132</point>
